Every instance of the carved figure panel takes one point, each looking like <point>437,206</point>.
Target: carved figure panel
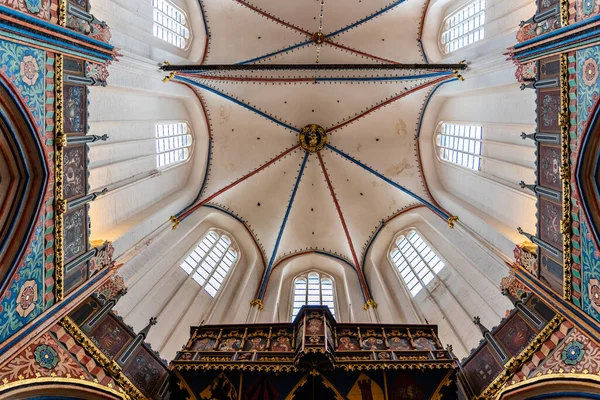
<point>550,216</point>
<point>551,272</point>
<point>515,334</point>
<point>482,368</point>
<point>144,370</point>
<point>75,108</point>
<point>548,109</point>
<point>110,336</point>
<point>549,166</point>
<point>75,172</point>
<point>75,233</point>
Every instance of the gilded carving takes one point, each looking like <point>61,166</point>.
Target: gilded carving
<point>565,125</point>
<point>60,205</point>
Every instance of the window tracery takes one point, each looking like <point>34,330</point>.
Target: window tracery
<point>209,263</point>
<point>464,27</point>
<point>313,289</point>
<point>416,263</point>
<point>173,143</point>
<point>460,144</point>
<point>170,24</point>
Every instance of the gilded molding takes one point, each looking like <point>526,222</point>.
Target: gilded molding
<point>452,220</point>
<point>370,303</point>
<point>257,302</point>
<point>565,126</point>
<point>110,366</point>
<point>550,375</point>
<point>169,77</point>
<point>67,380</point>
<point>59,202</point>
<point>176,221</point>
<point>564,12</point>
<point>515,363</point>
<point>62,12</point>
<point>235,367</point>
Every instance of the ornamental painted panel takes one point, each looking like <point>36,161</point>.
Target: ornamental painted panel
<point>588,89</point>
<point>549,217</point>
<point>23,300</point>
<point>587,9</point>
<point>75,233</point>
<point>145,371</point>
<point>75,276</point>
<point>43,357</point>
<point>80,3</point>
<point>110,336</point>
<point>24,66</point>
<point>550,67</point>
<point>75,109</point>
<point>515,334</point>
<point>84,311</point>
<point>73,66</point>
<point>548,109</point>
<point>482,368</point>
<point>590,266</point>
<point>39,8</point>
<point>576,354</point>
<point>549,167</point>
<point>551,271</point>
<point>75,172</point>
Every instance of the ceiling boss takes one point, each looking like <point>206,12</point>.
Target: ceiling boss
<point>312,138</point>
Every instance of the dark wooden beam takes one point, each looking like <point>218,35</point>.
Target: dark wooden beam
<point>312,67</point>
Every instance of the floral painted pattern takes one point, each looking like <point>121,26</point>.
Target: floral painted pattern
<point>573,353</point>
<point>46,356</point>
<point>24,67</point>
<point>587,92</point>
<point>21,301</point>
<point>39,8</point>
<point>590,265</point>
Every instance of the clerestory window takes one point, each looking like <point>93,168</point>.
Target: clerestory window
<point>460,144</point>
<point>173,143</point>
<point>170,24</point>
<point>464,26</point>
<point>313,289</point>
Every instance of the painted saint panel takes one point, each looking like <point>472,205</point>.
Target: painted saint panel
<point>551,271</point>
<point>73,66</point>
<point>515,334</point>
<point>549,166</point>
<point>256,343</point>
<point>548,110</point>
<point>75,233</point>
<point>75,108</point>
<point>281,343</point>
<point>75,172</point>
<point>550,216</point>
<point>482,368</point>
<point>145,371</point>
<point>110,335</point>
<point>348,343</point>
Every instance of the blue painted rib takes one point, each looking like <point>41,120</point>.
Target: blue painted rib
<point>204,181</point>
<point>394,184</point>
<point>423,51</point>
<point>296,46</point>
<point>53,27</point>
<point>236,101</point>
<point>362,21</point>
<point>385,78</point>
<point>327,254</point>
<point>203,17</point>
<point>370,244</point>
<point>559,31</point>
<point>232,215</point>
<point>427,104</point>
<point>263,285</point>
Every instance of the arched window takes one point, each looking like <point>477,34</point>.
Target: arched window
<point>464,27</point>
<point>313,289</point>
<point>173,143</point>
<point>170,24</point>
<point>416,263</point>
<point>460,144</point>
<point>210,261</point>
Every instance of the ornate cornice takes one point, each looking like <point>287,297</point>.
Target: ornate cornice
<point>515,363</point>
<point>110,366</point>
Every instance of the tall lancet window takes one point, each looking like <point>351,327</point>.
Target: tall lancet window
<point>209,263</point>
<point>416,263</point>
<point>170,24</point>
<point>460,144</point>
<point>463,27</point>
<point>173,143</point>
<point>313,289</point>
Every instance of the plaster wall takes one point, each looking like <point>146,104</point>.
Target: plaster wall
<point>466,287</point>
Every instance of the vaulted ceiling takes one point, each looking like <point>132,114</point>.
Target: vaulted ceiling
<point>335,199</point>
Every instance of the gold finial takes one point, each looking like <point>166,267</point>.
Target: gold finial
<point>370,303</point>
<point>257,302</point>
<point>459,76</point>
<point>169,77</point>
<point>175,222</point>
<point>451,221</point>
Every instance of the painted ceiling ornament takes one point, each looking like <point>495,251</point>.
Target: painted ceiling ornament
<point>312,138</point>
<point>28,296</point>
<point>573,353</point>
<point>588,6</point>
<point>30,70</point>
<point>594,294</point>
<point>34,6</point>
<point>318,37</point>
<point>46,356</point>
<point>590,72</point>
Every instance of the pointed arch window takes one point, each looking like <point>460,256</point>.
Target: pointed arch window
<point>415,261</point>
<point>463,27</point>
<point>170,24</point>
<point>460,144</point>
<point>209,263</point>
<point>313,289</point>
<point>173,143</point>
